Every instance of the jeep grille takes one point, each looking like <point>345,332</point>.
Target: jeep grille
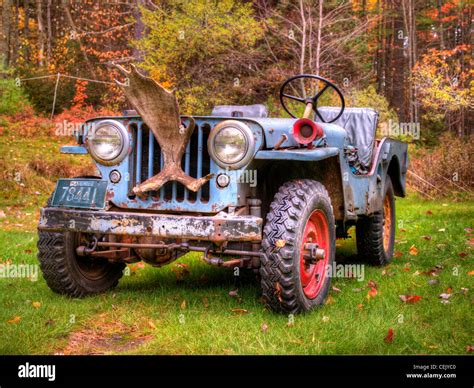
<point>146,161</point>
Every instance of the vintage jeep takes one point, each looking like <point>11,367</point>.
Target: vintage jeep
<point>169,185</point>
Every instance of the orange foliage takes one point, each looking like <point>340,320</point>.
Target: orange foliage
<point>80,97</point>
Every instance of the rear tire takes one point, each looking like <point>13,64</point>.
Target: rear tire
<point>300,213</point>
<point>375,235</point>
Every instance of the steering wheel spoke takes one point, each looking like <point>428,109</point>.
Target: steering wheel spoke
<point>319,94</point>
<point>319,114</point>
<point>293,97</point>
<point>314,100</point>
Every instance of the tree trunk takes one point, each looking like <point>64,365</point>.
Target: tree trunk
<point>49,32</point>
<point>6,28</point>
<point>39,17</point>
<point>318,45</point>
<point>26,29</point>
<point>440,26</point>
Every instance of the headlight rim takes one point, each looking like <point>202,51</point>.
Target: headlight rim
<point>125,140</point>
<point>249,137</point>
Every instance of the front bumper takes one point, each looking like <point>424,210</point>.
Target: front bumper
<point>218,228</point>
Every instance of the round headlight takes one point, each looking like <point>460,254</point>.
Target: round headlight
<point>108,142</point>
<point>231,144</point>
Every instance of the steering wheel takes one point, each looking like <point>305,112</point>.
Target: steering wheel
<point>311,102</point>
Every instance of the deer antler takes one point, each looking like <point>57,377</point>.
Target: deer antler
<point>158,108</point>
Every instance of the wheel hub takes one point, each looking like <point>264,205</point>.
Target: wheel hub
<point>314,253</point>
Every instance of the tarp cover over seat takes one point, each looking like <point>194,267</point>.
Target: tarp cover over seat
<point>257,110</point>
<point>360,125</point>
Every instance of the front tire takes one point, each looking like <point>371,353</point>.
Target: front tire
<point>69,274</point>
<point>292,280</point>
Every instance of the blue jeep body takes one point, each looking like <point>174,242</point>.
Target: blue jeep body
<point>352,194</point>
<point>297,185</point>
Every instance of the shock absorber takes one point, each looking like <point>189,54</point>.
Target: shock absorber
<point>255,209</point>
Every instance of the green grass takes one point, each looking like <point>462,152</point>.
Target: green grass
<point>145,314</point>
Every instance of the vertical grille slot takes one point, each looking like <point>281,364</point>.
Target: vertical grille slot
<point>147,161</point>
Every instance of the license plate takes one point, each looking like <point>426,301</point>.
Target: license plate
<point>80,193</point>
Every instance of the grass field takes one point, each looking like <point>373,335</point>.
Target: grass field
<point>188,310</point>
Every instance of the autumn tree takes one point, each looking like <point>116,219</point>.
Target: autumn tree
<point>203,49</point>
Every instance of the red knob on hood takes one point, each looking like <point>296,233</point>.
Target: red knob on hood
<point>305,131</point>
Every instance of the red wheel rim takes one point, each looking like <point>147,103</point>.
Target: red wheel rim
<point>313,275</point>
<point>387,222</point>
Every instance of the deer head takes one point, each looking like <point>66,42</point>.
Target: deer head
<point>158,108</point>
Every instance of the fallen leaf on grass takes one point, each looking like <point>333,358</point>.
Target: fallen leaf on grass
<point>442,230</point>
<point>402,230</point>
<point>234,293</point>
<point>360,307</point>
<point>372,293</point>
<point>389,338</point>
<point>239,311</point>
<point>429,212</point>
<point>264,327</point>
<point>469,348</point>
<point>151,325</point>
<point>432,282</point>
<point>335,289</point>
<point>205,302</point>
<point>433,271</point>
<point>427,238</point>
<point>325,318</point>
<point>36,305</point>
<point>445,296</point>
<point>330,300</point>
<point>470,273</point>
<point>180,271</point>
<point>15,319</point>
<point>372,284</point>
<point>397,254</point>
<point>462,254</point>
<point>410,298</point>
<point>387,272</point>
<point>413,250</point>
<point>183,305</point>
